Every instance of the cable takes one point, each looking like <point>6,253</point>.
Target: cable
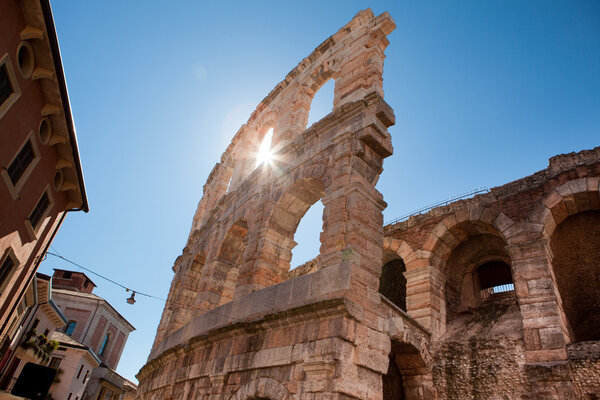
<point>103,277</point>
<point>120,285</point>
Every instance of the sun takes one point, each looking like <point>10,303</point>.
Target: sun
<point>264,151</point>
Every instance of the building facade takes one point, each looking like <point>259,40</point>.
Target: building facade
<point>94,331</point>
<point>74,363</point>
<point>32,341</point>
<point>40,167</point>
<point>493,297</point>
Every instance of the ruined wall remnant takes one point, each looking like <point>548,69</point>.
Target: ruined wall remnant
<point>471,300</point>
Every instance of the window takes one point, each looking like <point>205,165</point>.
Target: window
<point>21,162</point>
<point>86,375</point>
<point>39,210</point>
<point>5,86</point>
<point>55,362</point>
<point>7,265</point>
<point>18,170</point>
<point>70,394</point>
<point>104,344</point>
<point>9,89</point>
<point>67,274</point>
<point>70,327</point>
<point>80,370</point>
<point>105,394</point>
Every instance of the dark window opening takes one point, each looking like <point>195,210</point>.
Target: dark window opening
<point>495,277</point>
<point>80,370</point>
<point>392,283</point>
<point>55,362</point>
<point>39,210</point>
<point>104,344</point>
<point>5,87</point>
<point>7,266</point>
<point>67,274</point>
<point>20,163</point>
<point>70,327</point>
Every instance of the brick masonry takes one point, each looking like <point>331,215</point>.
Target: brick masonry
<point>239,325</point>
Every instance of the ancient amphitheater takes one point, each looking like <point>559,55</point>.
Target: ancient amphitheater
<point>492,297</point>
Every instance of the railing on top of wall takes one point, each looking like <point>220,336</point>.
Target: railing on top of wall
<point>438,204</point>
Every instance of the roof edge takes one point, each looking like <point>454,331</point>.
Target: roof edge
<point>62,83</point>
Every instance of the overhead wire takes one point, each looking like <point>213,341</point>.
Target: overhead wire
<point>57,254</point>
<point>103,277</point>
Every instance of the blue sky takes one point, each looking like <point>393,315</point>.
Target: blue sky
<point>484,93</point>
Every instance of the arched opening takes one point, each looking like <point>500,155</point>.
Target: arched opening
<point>477,270</point>
<point>575,244</point>
<point>322,102</point>
<point>494,278</point>
<point>264,153</point>
<point>392,283</point>
<point>408,377</point>
<point>231,258</point>
<point>308,236</point>
<point>393,388</point>
<point>286,216</point>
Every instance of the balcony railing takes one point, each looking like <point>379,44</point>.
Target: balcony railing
<point>39,345</point>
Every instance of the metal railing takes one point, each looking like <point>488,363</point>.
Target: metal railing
<point>438,204</point>
<point>489,292</point>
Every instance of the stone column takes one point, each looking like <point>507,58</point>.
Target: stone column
<point>362,70</point>
<point>270,264</point>
<point>545,328</point>
<point>426,298</point>
<point>212,284</point>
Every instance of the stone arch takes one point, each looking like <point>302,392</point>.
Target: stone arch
<point>568,199</point>
<point>410,367</point>
<point>230,258</point>
<point>461,224</point>
<point>261,388</point>
<point>393,247</point>
<point>570,215</point>
<point>461,243</point>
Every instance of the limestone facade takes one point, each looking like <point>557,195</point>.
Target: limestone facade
<point>422,309</point>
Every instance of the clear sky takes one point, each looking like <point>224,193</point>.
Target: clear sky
<point>484,93</point>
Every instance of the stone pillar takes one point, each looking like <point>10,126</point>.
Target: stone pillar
<point>212,284</point>
<point>270,264</point>
<point>362,71</point>
<point>545,328</point>
<point>318,379</point>
<point>182,294</point>
<point>426,298</point>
